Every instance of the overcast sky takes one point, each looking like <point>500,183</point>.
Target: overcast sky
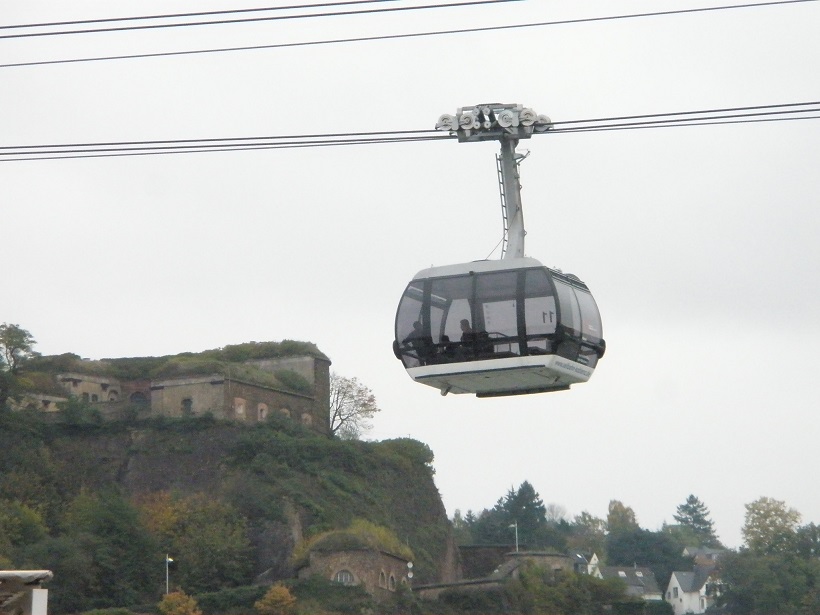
<point>700,244</point>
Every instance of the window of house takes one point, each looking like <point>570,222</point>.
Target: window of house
<point>46,403</point>
<point>307,420</point>
<point>187,406</point>
<point>113,395</point>
<point>345,577</point>
<point>95,397</point>
<point>239,407</point>
<point>391,583</point>
<point>674,592</point>
<point>638,573</point>
<point>261,412</point>
<point>85,397</point>
<point>285,411</point>
<point>621,573</point>
<point>382,579</point>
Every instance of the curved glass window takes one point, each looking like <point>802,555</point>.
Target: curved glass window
<point>496,314</point>
<point>540,312</point>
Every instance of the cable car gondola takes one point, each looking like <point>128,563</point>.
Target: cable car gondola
<point>504,327</point>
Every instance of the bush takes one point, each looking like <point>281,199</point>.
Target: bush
<point>277,601</point>
<point>234,599</point>
<point>316,595</point>
<point>178,603</point>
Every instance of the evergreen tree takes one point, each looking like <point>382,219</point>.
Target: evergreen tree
<point>694,514</point>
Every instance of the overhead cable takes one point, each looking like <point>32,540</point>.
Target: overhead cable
<point>749,114</point>
<point>79,22</point>
<point>407,35</point>
<point>394,9</point>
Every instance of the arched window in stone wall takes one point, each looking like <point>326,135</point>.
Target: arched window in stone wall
<point>391,583</point>
<point>239,407</point>
<point>113,395</point>
<point>187,407</point>
<point>285,411</point>
<point>382,579</point>
<point>307,419</point>
<point>345,577</point>
<point>261,412</point>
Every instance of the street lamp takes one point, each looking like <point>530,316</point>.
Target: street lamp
<point>168,560</point>
<point>515,525</point>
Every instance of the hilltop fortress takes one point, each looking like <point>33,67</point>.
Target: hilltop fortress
<point>244,383</point>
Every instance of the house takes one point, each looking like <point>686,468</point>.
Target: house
<point>378,572</point>
<point>693,591</point>
<point>639,581</point>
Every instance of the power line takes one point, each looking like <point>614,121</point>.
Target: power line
<point>252,19</point>
<point>408,35</point>
<point>749,114</point>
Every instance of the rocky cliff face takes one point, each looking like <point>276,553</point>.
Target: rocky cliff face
<point>286,483</point>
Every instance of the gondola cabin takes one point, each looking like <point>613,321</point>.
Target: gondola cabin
<point>494,328</point>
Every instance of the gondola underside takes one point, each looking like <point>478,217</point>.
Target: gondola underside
<point>500,377</point>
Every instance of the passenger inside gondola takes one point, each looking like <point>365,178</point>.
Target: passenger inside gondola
<point>474,343</point>
<point>420,343</point>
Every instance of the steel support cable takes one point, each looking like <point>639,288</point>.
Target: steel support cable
<point>184,15</point>
<point>125,148</point>
<point>671,121</point>
<point>401,36</point>
<point>239,140</point>
<point>222,22</point>
<point>685,123</point>
<point>162,150</point>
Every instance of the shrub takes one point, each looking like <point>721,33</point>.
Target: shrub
<point>178,603</point>
<point>277,601</point>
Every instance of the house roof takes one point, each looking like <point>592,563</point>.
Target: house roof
<point>638,580</point>
<point>692,581</point>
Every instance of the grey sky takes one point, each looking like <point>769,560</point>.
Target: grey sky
<point>700,244</point>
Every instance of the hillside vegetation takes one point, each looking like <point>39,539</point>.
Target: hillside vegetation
<point>101,504</point>
<point>228,360</point>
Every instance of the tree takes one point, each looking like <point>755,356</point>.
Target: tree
<point>351,405</point>
<point>277,601</point>
<point>770,526</point>
<point>211,545</point>
<point>694,514</point>
<point>15,349</point>
<point>656,550</point>
<point>521,510</point>
<point>461,527</point>
<point>808,541</point>
<point>620,517</point>
<point>588,534</point>
<point>754,583</point>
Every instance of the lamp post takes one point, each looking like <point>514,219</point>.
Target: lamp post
<point>168,560</point>
<point>515,525</point>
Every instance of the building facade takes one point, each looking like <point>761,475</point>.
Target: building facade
<point>223,396</point>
